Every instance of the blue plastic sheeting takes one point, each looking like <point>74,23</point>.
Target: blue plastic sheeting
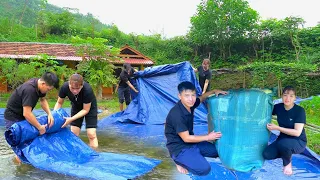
<point>305,165</point>
<point>242,117</point>
<point>36,112</point>
<point>59,150</point>
<point>158,93</point>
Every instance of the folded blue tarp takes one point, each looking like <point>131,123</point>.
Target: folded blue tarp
<point>158,93</point>
<point>61,151</point>
<point>242,117</point>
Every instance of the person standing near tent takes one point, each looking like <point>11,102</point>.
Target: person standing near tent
<point>84,105</point>
<point>24,99</point>
<point>186,149</point>
<point>292,139</point>
<point>205,75</point>
<point>124,85</point>
<point>133,81</point>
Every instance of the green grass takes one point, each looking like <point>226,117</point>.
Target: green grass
<point>313,119</point>
<point>313,141</point>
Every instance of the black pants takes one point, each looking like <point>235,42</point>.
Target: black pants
<point>284,148</point>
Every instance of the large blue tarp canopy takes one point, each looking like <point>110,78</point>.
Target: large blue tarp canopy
<point>59,150</point>
<point>158,93</point>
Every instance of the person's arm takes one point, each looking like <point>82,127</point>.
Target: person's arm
<point>83,112</point>
<point>204,96</point>
<point>195,69</point>
<point>132,87</point>
<point>59,103</point>
<point>27,113</point>
<point>298,127</point>
<point>206,83</point>
<point>45,106</point>
<point>187,138</point>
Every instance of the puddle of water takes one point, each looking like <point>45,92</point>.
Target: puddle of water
<point>107,143</point>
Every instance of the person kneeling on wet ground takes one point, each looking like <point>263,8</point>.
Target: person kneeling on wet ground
<point>292,139</point>
<point>187,150</point>
<point>24,99</point>
<point>84,105</point>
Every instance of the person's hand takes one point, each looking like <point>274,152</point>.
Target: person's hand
<point>136,91</point>
<point>68,121</point>
<point>42,129</point>
<point>220,92</point>
<point>272,127</point>
<point>50,120</point>
<point>214,135</point>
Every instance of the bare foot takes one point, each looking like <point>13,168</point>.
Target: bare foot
<point>182,169</point>
<point>16,160</point>
<point>287,170</point>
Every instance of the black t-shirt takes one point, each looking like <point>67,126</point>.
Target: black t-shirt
<point>124,78</point>
<point>85,96</point>
<point>287,119</point>
<point>203,75</point>
<point>26,94</point>
<point>179,120</point>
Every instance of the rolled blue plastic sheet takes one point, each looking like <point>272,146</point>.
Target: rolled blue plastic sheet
<point>59,150</point>
<point>158,93</point>
<point>241,117</point>
<point>22,132</point>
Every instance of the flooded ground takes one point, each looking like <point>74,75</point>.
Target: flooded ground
<point>149,141</point>
<point>108,142</point>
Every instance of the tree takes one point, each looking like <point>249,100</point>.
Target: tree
<point>222,22</point>
<point>291,27</point>
<point>95,65</point>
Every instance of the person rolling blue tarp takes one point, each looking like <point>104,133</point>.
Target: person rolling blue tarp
<point>59,150</point>
<point>158,94</point>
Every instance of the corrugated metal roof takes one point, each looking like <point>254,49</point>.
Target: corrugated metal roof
<point>134,61</point>
<point>26,50</point>
<point>67,58</point>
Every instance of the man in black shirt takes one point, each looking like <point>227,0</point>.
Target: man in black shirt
<point>205,75</point>
<point>84,105</point>
<point>124,85</point>
<point>186,149</point>
<point>24,99</point>
<point>292,139</point>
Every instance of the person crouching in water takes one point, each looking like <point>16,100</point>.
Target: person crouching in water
<point>187,150</point>
<point>84,105</point>
<point>292,139</point>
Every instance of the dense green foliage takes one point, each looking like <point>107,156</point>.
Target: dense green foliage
<point>229,32</point>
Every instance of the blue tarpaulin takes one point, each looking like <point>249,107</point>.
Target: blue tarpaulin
<point>242,116</point>
<point>158,93</point>
<point>59,150</point>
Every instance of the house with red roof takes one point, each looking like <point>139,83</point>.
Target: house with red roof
<point>67,54</point>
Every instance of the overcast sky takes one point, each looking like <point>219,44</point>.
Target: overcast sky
<point>172,17</point>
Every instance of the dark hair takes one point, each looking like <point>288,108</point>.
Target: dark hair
<point>50,79</point>
<point>289,88</point>
<point>126,66</point>
<point>186,85</point>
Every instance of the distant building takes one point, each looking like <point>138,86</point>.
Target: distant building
<point>66,54</point>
